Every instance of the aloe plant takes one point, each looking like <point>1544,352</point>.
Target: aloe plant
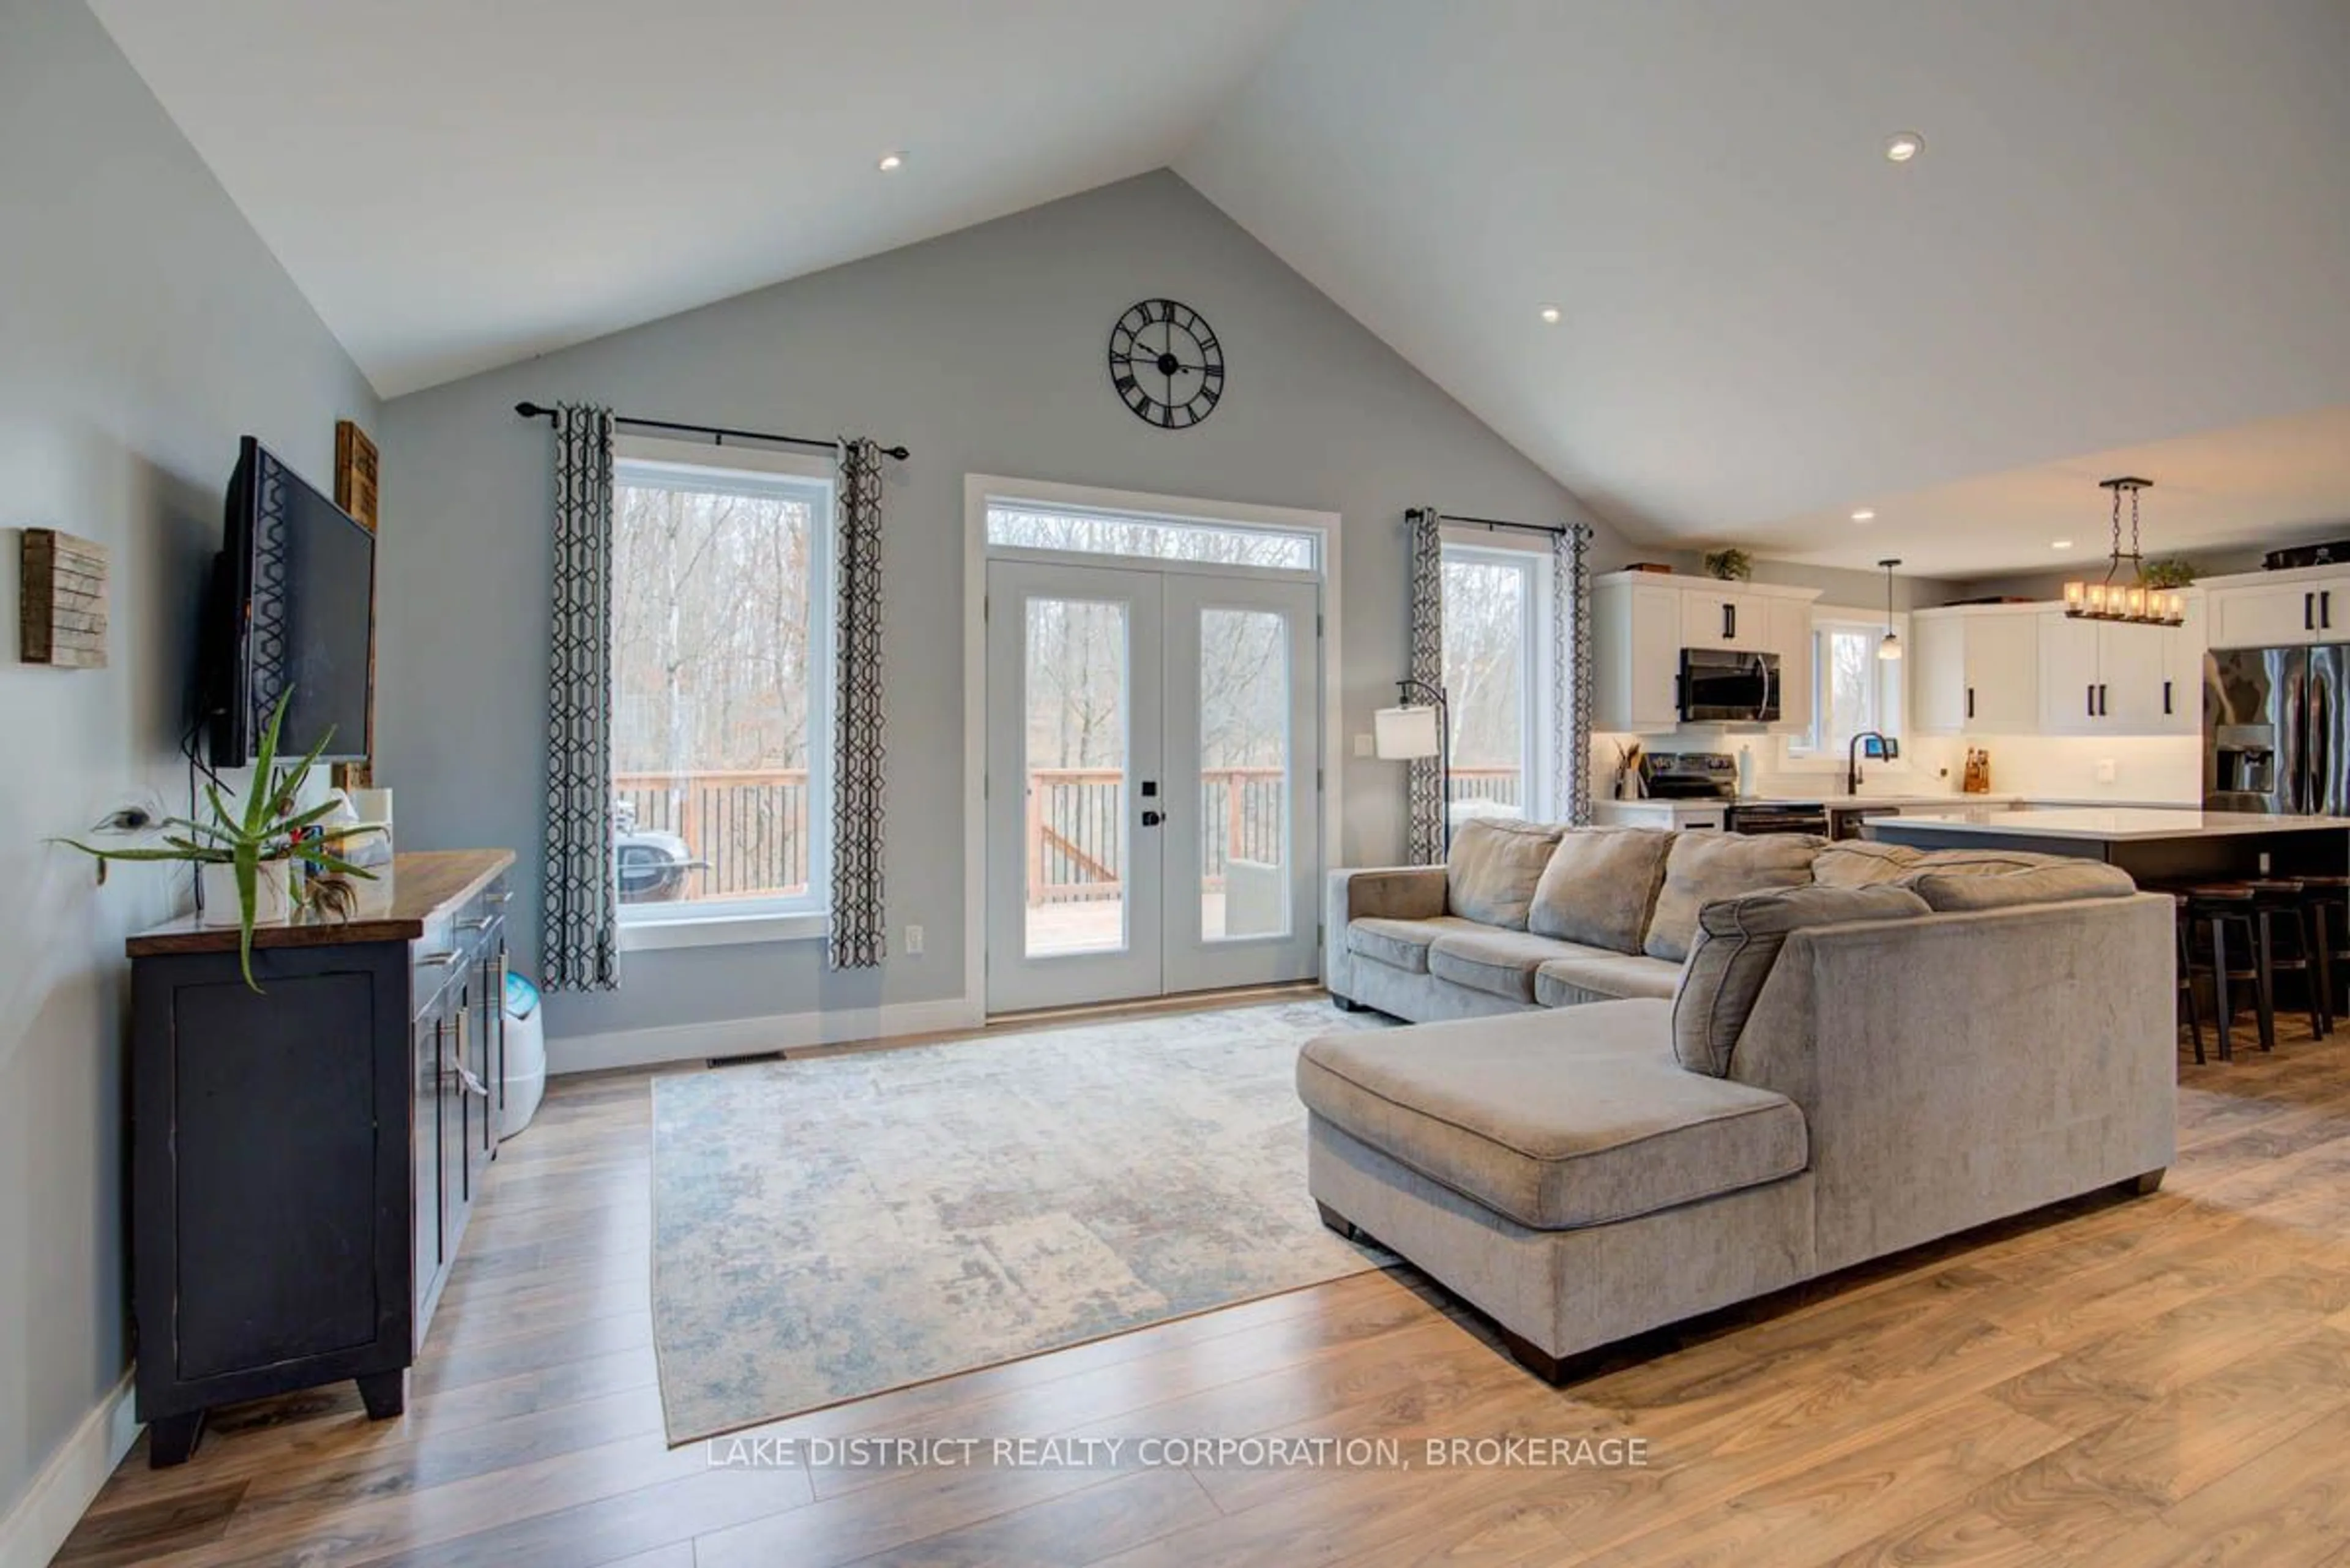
<point>268,830</point>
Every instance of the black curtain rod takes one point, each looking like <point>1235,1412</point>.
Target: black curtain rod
<point>1501,523</point>
<point>719,435</point>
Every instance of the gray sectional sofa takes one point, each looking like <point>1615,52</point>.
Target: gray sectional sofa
<point>1744,1063</point>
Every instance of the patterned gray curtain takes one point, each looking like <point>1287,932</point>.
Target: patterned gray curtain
<point>578,938</point>
<point>1425,805</point>
<point>1570,627</point>
<point>859,939</point>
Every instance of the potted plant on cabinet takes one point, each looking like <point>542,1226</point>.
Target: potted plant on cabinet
<point>250,854</point>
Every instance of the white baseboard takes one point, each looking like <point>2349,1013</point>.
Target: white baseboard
<point>752,1036</point>
<point>41,1520</point>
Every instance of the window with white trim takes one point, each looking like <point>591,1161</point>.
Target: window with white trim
<point>722,656</point>
<point>1494,678</point>
<point>1853,690</point>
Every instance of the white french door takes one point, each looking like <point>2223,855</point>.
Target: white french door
<point>1153,766</point>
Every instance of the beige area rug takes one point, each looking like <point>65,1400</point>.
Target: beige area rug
<point>829,1229</point>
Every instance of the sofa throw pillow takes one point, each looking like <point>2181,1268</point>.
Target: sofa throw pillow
<point>1738,941</point>
<point>1702,869</point>
<point>1599,886</point>
<point>1953,891</point>
<point>1495,863</point>
<point>1863,863</point>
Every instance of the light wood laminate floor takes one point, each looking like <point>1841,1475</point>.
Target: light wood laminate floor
<point>2164,1380</point>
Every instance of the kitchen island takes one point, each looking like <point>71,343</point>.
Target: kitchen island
<point>2151,845</point>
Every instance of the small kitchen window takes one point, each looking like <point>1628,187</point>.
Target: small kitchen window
<point>1852,690</point>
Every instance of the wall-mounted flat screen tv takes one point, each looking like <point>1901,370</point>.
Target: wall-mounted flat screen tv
<point>293,615</point>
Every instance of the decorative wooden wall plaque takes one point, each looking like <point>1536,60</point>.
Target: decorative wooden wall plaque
<point>355,472</point>
<point>62,601</point>
<point>356,493</point>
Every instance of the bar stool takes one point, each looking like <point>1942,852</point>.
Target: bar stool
<point>2179,927</point>
<point>2281,909</point>
<point>2329,909</point>
<point>2218,908</point>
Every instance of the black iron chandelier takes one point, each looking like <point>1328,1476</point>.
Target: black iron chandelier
<point>2132,599</point>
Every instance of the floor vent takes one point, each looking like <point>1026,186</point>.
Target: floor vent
<point>739,1061</point>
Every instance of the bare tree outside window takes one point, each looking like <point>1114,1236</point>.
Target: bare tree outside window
<point>1486,663</point>
<point>717,670</point>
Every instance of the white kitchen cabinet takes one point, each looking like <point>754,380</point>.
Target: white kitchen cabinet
<point>2068,674</point>
<point>1640,621</point>
<point>1975,670</point>
<point>2114,678</point>
<point>1789,621</point>
<point>2278,609</point>
<point>1635,655</point>
<point>1718,616</point>
<point>2183,670</point>
<point>2133,668</point>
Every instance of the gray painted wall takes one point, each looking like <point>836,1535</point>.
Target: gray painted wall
<point>143,328</point>
<point>983,352</point>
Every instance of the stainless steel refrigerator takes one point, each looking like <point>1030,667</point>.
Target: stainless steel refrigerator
<point>2276,731</point>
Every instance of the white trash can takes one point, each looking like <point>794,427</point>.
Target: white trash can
<point>525,1082</point>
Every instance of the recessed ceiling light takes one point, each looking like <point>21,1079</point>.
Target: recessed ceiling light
<point>2060,543</point>
<point>1550,315</point>
<point>1863,515</point>
<point>1905,146</point>
<point>892,162</point>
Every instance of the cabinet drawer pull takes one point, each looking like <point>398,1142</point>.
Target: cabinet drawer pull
<point>2309,612</point>
<point>502,897</point>
<point>2166,696</point>
<point>1971,701</point>
<point>480,924</point>
<point>437,960</point>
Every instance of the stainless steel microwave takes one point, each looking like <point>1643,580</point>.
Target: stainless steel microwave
<point>1721,686</point>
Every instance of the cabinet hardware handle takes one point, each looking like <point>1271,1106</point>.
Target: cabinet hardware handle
<point>501,896</point>
<point>1971,701</point>
<point>2308,612</point>
<point>439,960</point>
<point>480,924</point>
<point>473,1086</point>
<point>2104,710</point>
<point>2166,696</point>
<point>2325,609</point>
<point>2089,700</point>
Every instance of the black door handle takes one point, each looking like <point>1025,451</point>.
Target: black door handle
<point>2308,612</point>
<point>1153,818</point>
<point>1729,621</point>
<point>2325,609</point>
<point>2103,711</point>
<point>2166,696</point>
<point>2089,700</point>
<point>1971,701</point>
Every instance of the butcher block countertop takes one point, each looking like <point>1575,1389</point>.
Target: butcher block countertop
<point>395,907</point>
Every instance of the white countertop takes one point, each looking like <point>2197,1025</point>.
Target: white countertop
<point>2111,826</point>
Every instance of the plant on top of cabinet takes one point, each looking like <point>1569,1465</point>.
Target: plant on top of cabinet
<point>1729,563</point>
<point>259,847</point>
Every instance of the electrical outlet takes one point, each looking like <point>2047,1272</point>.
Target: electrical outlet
<point>913,942</point>
<point>1363,747</point>
<point>2105,769</point>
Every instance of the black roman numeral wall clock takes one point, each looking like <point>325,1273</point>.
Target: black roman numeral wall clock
<point>1165,364</point>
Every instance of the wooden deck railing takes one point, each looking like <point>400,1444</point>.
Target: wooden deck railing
<point>751,825</point>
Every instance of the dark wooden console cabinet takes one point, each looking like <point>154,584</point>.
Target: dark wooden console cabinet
<point>304,1160</point>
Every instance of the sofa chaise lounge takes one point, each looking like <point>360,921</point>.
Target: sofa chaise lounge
<point>1836,1071</point>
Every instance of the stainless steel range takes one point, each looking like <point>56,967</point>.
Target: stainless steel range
<point>1714,775</point>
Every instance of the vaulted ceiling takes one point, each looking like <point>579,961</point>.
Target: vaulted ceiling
<point>2127,234</point>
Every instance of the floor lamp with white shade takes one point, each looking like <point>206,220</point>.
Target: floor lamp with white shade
<point>1414,731</point>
